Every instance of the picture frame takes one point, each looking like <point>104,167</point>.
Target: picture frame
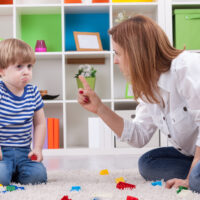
<point>129,92</point>
<point>87,41</point>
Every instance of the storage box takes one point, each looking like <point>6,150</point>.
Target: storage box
<point>6,1</point>
<point>187,28</point>
<point>100,1</point>
<point>128,1</point>
<point>73,1</point>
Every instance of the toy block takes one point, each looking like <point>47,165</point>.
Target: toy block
<point>120,179</point>
<point>122,186</point>
<point>104,172</point>
<point>159,183</point>
<point>11,188</point>
<point>1,185</point>
<point>33,157</point>
<point>75,188</point>
<point>181,188</point>
<point>65,198</point>
<point>131,198</point>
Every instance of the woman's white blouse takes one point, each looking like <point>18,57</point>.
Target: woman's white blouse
<point>180,119</point>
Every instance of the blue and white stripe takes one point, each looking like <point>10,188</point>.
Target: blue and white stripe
<point>16,115</point>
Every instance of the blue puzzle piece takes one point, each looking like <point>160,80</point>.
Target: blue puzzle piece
<point>156,183</point>
<point>75,188</point>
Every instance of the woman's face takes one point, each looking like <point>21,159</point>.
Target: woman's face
<point>121,59</point>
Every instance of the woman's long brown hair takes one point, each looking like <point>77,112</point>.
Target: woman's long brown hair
<point>149,54</point>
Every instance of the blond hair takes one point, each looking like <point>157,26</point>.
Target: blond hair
<point>148,51</point>
<point>15,51</point>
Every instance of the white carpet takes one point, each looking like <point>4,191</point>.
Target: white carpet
<point>92,184</point>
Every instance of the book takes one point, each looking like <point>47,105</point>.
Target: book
<point>56,133</point>
<point>50,133</point>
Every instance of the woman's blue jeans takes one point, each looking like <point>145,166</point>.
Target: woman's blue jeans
<point>17,167</point>
<point>167,163</point>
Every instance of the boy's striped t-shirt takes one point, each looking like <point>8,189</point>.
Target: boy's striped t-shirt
<point>16,115</point>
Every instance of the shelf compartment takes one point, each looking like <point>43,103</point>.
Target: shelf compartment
<point>6,21</point>
<point>102,80</point>
<point>77,125</point>
<point>86,21</point>
<point>33,26</point>
<point>25,2</point>
<point>47,75</point>
<point>56,111</point>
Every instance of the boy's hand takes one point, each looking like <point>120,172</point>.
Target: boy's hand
<point>36,155</point>
<point>1,155</point>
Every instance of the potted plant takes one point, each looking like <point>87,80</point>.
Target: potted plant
<point>89,73</point>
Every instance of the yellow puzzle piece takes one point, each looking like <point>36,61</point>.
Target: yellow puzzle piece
<point>104,172</point>
<point>120,179</point>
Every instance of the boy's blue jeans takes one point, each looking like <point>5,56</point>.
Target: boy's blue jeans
<point>17,167</point>
<point>167,163</point>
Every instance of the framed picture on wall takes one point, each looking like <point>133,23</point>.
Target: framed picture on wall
<point>129,92</point>
<point>87,41</point>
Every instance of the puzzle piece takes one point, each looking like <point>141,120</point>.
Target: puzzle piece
<point>157,183</point>
<point>65,198</point>
<point>120,179</point>
<point>33,157</point>
<point>180,188</point>
<point>122,185</point>
<point>104,172</point>
<point>131,198</point>
<point>75,188</point>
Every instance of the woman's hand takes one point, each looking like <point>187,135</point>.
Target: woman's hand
<point>175,182</point>
<point>88,98</point>
<point>37,153</point>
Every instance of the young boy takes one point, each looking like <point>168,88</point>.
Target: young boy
<point>20,107</point>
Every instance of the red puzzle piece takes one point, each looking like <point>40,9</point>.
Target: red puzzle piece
<point>33,157</point>
<point>131,198</point>
<point>122,185</point>
<point>65,198</point>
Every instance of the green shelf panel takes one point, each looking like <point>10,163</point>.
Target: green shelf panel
<point>42,27</point>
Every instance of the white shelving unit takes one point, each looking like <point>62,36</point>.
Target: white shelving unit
<point>52,72</point>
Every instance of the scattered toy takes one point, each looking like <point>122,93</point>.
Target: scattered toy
<point>75,188</point>
<point>120,179</point>
<point>180,188</point>
<point>65,198</point>
<point>33,157</point>
<point>159,183</point>
<point>104,172</point>
<point>131,198</point>
<point>122,185</point>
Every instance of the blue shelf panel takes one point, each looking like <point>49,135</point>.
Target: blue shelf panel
<point>86,23</point>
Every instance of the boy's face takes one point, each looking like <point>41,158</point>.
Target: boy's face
<point>17,76</point>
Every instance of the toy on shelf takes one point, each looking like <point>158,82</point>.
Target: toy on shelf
<point>40,46</point>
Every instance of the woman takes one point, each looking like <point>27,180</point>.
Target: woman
<point>166,84</point>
